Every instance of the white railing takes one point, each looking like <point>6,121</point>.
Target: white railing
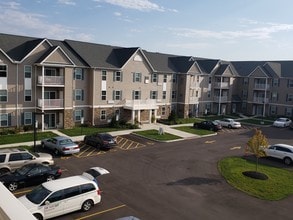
<point>51,80</point>
<point>141,104</point>
<point>221,84</point>
<point>261,86</point>
<point>221,99</point>
<point>50,103</point>
<point>260,100</point>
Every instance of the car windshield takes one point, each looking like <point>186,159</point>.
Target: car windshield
<point>281,119</point>
<point>23,170</point>
<point>66,141</point>
<point>38,194</point>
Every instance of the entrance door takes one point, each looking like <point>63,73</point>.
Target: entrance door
<point>50,120</point>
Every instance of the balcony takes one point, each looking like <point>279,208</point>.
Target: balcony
<point>141,104</point>
<point>260,100</point>
<point>261,86</point>
<point>193,100</point>
<point>51,103</point>
<point>222,85</point>
<point>51,80</point>
<point>220,98</point>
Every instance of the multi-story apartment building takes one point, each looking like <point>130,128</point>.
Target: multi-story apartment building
<point>66,83</point>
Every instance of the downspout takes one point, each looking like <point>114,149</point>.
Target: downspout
<point>93,96</point>
<point>17,116</point>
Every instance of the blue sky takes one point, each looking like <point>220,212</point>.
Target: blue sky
<point>227,29</point>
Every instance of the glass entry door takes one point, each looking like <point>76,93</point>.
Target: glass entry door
<point>50,120</point>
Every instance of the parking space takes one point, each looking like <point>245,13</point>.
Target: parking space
<point>237,130</point>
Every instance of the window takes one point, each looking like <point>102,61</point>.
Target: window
<point>245,81</point>
<point>3,71</point>
<point>56,196</point>
<point>274,96</point>
<point>78,73</point>
<point>27,118</point>
<point>28,95</point>
<point>103,114</point>
<point>104,95</point>
<point>104,75</point>
<point>15,157</point>
<point>153,95</point>
<point>209,94</point>
<point>275,82</point>
<point>165,78</point>
<point>210,80</point>
<point>273,109</point>
<point>164,95</point>
<point>154,77</point>
<point>174,79</point>
<point>117,95</point>
<point>289,97</point>
<point>290,83</point>
<point>163,110</point>
<point>3,95</point>
<point>197,78</point>
<point>70,192</point>
<point>136,95</point>
<point>50,72</point>
<point>288,112</point>
<point>87,188</point>
<point>196,93</point>
<point>26,156</point>
<point>78,114</point>
<point>174,94</point>
<point>136,77</point>
<point>3,120</point>
<point>27,71</point>
<point>2,158</point>
<point>79,94</point>
<point>117,76</point>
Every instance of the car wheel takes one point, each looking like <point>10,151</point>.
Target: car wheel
<point>56,151</point>
<point>3,170</point>
<point>38,216</point>
<point>287,160</point>
<point>43,145</point>
<point>229,126</point>
<point>87,205</point>
<point>13,186</point>
<point>50,177</point>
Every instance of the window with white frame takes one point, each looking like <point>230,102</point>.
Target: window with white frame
<point>197,78</point>
<point>136,77</point>
<point>118,76</point>
<point>274,96</point>
<point>28,95</point>
<point>174,94</point>
<point>288,112</point>
<point>103,115</point>
<point>27,72</point>
<point>78,114</point>
<point>163,110</point>
<point>154,77</point>
<point>210,80</point>
<point>289,97</point>
<point>275,82</point>
<point>164,95</point>
<point>79,95</point>
<point>136,95</point>
<point>273,110</point>
<point>290,83</point>
<point>245,81</point>
<point>209,94</point>
<point>3,71</point>
<point>117,95</point>
<point>28,118</point>
<point>3,120</point>
<point>50,72</point>
<point>78,73</point>
<point>174,78</point>
<point>104,95</point>
<point>104,75</point>
<point>3,95</point>
<point>153,95</point>
<point>196,93</point>
<point>165,78</point>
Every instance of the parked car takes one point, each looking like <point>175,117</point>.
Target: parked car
<point>64,195</point>
<point>100,140</point>
<point>208,125</point>
<point>30,175</point>
<point>60,145</point>
<point>13,158</point>
<point>282,122</point>
<point>229,123</point>
<point>281,151</point>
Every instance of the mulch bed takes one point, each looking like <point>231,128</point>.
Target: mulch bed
<point>255,175</point>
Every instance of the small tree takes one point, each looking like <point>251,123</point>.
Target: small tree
<point>257,144</point>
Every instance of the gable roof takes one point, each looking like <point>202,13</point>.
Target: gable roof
<point>161,62</point>
<point>207,65</point>
<point>182,63</point>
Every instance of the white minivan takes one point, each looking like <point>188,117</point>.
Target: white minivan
<point>65,195</point>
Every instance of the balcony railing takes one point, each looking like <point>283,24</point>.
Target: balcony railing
<point>220,99</point>
<point>193,100</point>
<point>50,103</point>
<point>141,104</point>
<point>260,100</point>
<point>51,80</point>
<point>261,86</point>
<point>221,85</point>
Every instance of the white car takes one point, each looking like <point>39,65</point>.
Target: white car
<point>281,151</point>
<point>282,122</point>
<point>65,195</point>
<point>229,123</point>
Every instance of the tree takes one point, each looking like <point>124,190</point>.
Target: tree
<point>257,144</point>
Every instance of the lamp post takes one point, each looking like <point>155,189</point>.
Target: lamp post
<point>35,127</point>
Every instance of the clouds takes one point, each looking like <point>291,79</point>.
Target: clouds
<point>141,5</point>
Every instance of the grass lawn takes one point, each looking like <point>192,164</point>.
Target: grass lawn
<point>25,137</point>
<point>278,186</point>
<point>86,130</point>
<point>154,134</point>
<point>192,130</point>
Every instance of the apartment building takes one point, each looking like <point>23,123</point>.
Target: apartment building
<point>60,84</point>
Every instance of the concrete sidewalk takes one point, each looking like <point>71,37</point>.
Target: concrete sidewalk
<point>156,126</point>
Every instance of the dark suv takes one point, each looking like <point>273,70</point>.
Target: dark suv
<point>100,140</point>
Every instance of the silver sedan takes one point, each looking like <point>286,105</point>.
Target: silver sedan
<point>60,145</point>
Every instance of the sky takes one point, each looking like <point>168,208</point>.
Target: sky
<point>231,30</point>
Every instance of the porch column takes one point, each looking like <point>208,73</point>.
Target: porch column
<point>43,97</point>
<point>138,116</point>
<point>132,116</point>
<point>150,116</point>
